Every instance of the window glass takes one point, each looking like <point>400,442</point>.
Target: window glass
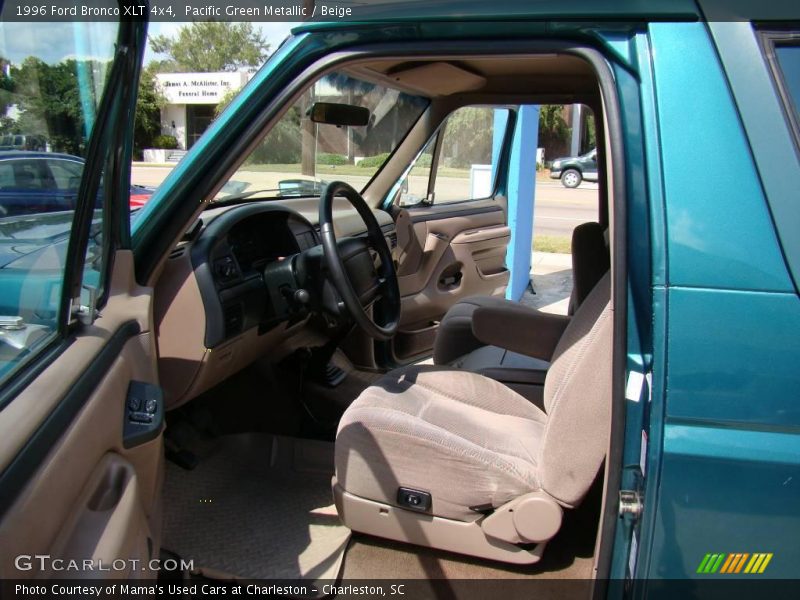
<point>52,76</point>
<point>415,186</point>
<point>466,161</point>
<point>789,62</point>
<point>298,156</point>
<point>66,174</point>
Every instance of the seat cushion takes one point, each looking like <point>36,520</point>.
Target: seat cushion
<point>469,441</point>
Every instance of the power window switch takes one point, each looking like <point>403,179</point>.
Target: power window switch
<point>141,417</point>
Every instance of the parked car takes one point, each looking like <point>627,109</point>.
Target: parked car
<point>37,182</point>
<point>21,141</point>
<point>572,170</point>
<point>650,435</point>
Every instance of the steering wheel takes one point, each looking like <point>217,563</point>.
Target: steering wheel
<point>352,269</point>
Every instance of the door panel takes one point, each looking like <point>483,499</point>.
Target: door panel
<point>446,253</point>
<point>70,488</point>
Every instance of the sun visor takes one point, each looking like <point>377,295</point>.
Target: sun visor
<point>438,79</point>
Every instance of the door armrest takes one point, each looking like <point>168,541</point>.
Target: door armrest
<point>520,329</point>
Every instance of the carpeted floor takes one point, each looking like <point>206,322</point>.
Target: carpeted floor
<point>257,506</point>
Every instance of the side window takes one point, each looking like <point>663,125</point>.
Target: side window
<point>6,176</point>
<point>789,62</point>
<point>66,174</point>
<point>782,49</point>
<point>30,175</point>
<point>49,101</point>
<point>465,169</point>
<point>415,186</point>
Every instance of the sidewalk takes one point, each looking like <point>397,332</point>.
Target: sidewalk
<point>551,276</point>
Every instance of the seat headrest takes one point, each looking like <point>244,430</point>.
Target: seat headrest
<point>590,261</point>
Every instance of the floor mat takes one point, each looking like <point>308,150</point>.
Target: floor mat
<point>257,506</point>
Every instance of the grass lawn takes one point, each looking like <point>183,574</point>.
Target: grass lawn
<point>552,243</point>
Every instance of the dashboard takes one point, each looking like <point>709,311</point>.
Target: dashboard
<point>228,293</point>
<point>230,258</point>
<point>267,237</point>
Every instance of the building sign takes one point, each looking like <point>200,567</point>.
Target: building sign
<point>199,88</point>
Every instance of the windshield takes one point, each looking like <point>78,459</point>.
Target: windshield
<point>298,156</point>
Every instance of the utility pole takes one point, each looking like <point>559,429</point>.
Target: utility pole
<point>577,133</point>
<point>307,137</point>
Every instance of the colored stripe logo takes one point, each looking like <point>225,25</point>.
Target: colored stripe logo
<point>736,562</point>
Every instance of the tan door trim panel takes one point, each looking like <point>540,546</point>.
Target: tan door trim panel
<point>25,464</point>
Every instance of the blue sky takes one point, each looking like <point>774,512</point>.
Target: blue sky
<point>53,42</point>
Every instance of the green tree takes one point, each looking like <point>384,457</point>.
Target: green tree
<point>225,100</point>
<point>468,137</point>
<point>282,144</point>
<point>50,102</point>
<point>211,46</point>
<point>553,129</point>
<point>149,101</point>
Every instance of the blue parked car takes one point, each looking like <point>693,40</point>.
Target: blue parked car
<point>38,182</point>
<point>237,385</point>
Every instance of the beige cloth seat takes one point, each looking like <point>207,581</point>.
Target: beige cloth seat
<point>475,445</point>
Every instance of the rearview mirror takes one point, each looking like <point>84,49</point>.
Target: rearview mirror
<point>339,114</point>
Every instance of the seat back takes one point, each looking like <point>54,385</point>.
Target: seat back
<point>590,261</point>
<point>577,398</point>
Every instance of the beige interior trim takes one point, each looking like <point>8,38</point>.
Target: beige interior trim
<point>426,530</point>
<point>480,259</point>
<point>438,79</point>
<point>27,411</point>
<point>531,518</point>
<point>90,494</point>
<point>482,234</point>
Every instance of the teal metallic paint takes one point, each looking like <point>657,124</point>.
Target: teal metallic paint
<point>684,440</point>
<point>730,491</point>
<point>635,90</point>
<point>728,478</point>
<point>733,358</point>
<point>720,234</point>
<point>514,10</point>
<point>648,275</point>
<point>776,155</point>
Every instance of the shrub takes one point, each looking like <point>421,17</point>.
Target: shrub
<point>423,161</point>
<point>331,159</point>
<point>373,162</point>
<point>165,142</point>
